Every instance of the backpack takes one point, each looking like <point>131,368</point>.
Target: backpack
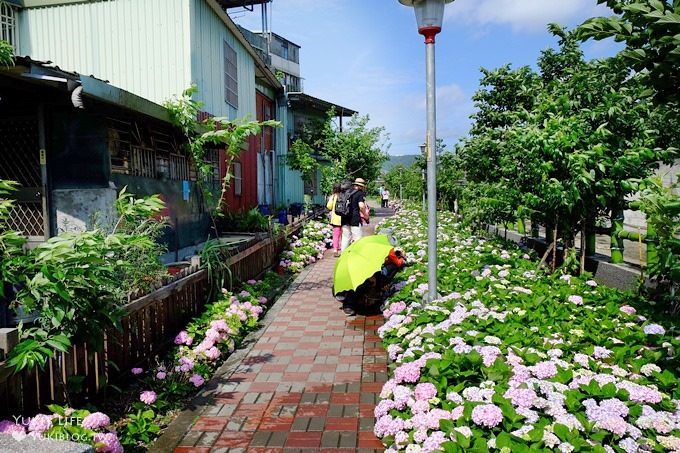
<point>342,204</point>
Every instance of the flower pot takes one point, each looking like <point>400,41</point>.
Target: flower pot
<point>283,217</point>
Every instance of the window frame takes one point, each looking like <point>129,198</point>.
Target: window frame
<point>9,24</point>
<point>238,178</point>
<point>230,75</point>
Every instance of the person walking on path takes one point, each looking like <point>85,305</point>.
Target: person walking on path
<point>385,198</point>
<point>351,224</point>
<point>334,219</point>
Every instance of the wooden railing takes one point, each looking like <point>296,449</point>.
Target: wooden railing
<point>147,331</point>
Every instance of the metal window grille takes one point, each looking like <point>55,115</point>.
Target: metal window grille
<point>230,76</point>
<point>20,161</point>
<point>8,23</point>
<point>151,153</point>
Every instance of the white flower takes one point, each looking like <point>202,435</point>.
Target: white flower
<point>649,369</point>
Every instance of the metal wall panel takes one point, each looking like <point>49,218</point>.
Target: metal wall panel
<point>209,35</point>
<point>141,46</point>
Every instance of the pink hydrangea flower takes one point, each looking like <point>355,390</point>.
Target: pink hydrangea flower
<point>148,397</point>
<point>183,338</point>
<point>627,309</point>
<point>40,423</point>
<point>487,415</point>
<point>137,371</point>
<point>107,442</point>
<point>407,372</point>
<point>575,299</point>
<point>212,353</point>
<point>161,375</point>
<point>95,420</point>
<point>544,370</point>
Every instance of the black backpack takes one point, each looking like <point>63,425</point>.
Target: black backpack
<point>342,204</point>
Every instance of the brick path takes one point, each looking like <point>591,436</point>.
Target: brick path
<point>306,382</point>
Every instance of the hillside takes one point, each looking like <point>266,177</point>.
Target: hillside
<point>405,160</point>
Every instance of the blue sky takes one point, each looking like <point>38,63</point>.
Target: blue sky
<point>368,56</point>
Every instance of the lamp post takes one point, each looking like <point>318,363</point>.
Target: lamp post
<point>423,152</point>
<point>429,17</point>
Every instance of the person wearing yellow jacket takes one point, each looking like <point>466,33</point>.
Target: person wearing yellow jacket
<point>334,219</point>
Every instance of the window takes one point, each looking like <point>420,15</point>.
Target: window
<point>230,76</point>
<point>238,179</point>
<point>8,23</point>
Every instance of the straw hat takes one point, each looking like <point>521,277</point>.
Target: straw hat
<point>359,182</point>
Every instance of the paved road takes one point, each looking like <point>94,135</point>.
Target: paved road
<point>308,381</point>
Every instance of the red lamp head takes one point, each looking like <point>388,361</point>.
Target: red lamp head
<point>429,16</point>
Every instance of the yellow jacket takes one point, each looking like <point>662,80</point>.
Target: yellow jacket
<point>335,219</point>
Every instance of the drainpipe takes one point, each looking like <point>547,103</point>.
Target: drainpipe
<point>49,220</point>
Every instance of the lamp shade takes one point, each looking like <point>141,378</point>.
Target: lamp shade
<point>429,13</point>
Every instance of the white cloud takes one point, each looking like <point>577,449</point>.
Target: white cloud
<point>522,15</point>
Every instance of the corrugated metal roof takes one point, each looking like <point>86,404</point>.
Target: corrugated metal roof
<point>45,72</point>
<point>304,101</point>
<point>240,3</point>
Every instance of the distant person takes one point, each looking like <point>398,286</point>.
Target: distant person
<point>380,191</point>
<point>385,201</point>
<point>334,219</point>
<point>351,223</point>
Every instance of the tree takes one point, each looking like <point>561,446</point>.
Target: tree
<point>406,182</point>
<point>490,160</point>
<point>564,146</point>
<point>356,150</point>
<point>651,31</point>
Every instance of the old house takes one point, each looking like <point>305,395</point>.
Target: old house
<point>140,53</point>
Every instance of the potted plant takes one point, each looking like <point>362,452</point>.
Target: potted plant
<point>283,214</point>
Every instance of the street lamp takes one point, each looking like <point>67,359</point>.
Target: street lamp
<point>429,17</point>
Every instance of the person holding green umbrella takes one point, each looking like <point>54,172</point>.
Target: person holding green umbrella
<point>363,270</point>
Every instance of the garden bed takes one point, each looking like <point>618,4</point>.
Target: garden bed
<point>513,359</point>
<point>163,384</point>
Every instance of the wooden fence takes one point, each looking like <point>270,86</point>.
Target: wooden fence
<point>147,331</point>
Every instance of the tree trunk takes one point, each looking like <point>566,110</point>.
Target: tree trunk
<point>554,249</point>
<point>582,267</point>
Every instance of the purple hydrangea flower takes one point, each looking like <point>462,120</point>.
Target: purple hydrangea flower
<point>148,397</point>
<point>197,380</point>
<point>9,427</point>
<point>653,329</point>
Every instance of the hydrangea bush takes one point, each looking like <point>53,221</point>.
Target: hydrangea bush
<point>306,248</point>
<point>515,360</point>
<point>200,348</point>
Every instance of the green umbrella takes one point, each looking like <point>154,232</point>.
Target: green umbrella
<point>360,261</point>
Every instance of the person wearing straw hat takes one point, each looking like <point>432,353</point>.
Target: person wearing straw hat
<point>351,223</point>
